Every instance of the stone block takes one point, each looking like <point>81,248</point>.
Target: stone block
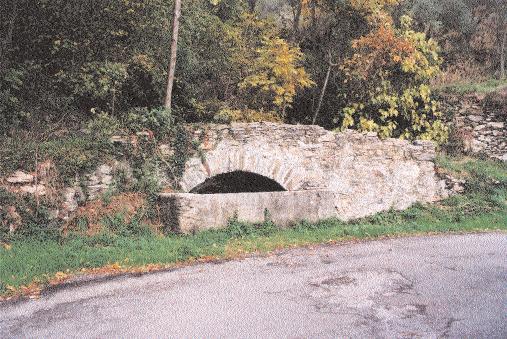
<point>188,213</point>
<point>20,177</point>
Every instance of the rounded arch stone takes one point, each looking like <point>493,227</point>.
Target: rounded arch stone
<point>275,164</point>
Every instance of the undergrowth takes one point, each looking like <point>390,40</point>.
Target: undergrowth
<point>70,157</point>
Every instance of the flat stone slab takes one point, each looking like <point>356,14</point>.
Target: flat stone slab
<point>188,213</point>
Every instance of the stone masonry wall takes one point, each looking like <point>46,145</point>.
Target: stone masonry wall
<point>348,175</point>
<point>365,174</point>
<point>481,122</point>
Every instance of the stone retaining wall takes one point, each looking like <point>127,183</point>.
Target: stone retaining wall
<point>481,123</point>
<point>363,174</point>
<point>349,175</point>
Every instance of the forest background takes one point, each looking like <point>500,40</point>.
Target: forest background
<point>364,64</point>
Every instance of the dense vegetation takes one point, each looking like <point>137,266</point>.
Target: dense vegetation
<point>340,63</point>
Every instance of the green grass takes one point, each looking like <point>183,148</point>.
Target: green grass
<point>35,260</point>
<point>485,87</point>
<point>472,167</point>
<point>482,207</point>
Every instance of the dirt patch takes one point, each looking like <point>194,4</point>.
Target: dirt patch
<point>128,205</point>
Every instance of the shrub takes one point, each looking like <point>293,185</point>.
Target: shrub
<point>277,75</point>
<point>97,85</point>
<point>158,120</point>
<point>12,113</point>
<point>388,81</point>
<point>103,126</point>
<point>122,226</point>
<point>21,216</point>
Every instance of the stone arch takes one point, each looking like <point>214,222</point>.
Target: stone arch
<point>286,170</point>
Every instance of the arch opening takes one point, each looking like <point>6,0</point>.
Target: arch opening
<point>237,182</point>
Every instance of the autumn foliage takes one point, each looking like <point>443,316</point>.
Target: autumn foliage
<point>387,80</point>
<point>346,64</point>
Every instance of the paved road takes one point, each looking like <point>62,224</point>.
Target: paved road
<point>445,286</point>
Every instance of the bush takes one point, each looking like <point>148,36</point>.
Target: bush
<point>21,216</point>
<point>388,81</point>
<point>103,126</point>
<point>12,113</point>
<point>121,226</point>
<point>159,121</point>
<point>71,155</point>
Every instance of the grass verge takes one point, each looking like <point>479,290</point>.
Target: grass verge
<point>461,88</point>
<point>28,264</point>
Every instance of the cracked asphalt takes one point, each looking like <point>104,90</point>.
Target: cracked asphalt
<point>437,286</point>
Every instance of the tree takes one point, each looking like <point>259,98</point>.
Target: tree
<point>277,75</point>
<point>251,5</point>
<point>502,31</point>
<point>6,41</point>
<point>388,77</point>
<point>330,67</point>
<point>174,49</point>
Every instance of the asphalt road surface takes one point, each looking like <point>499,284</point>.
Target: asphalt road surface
<point>437,286</point>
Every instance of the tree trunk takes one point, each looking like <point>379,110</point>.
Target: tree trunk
<point>8,37</point>
<point>502,55</point>
<point>297,17</point>
<point>174,48</point>
<point>323,92</point>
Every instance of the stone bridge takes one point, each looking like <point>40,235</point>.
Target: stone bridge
<point>292,172</point>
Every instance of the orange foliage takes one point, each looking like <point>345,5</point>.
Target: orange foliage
<point>379,49</point>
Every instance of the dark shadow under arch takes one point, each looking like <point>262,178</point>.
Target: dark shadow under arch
<point>237,182</point>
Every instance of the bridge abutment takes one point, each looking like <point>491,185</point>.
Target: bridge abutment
<point>345,175</point>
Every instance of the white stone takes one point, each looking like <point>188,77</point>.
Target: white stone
<point>120,139</point>
<point>475,118</point>
<point>498,125</point>
<point>104,169</point>
<point>165,150</point>
<point>20,177</point>
<point>477,146</point>
<point>33,189</point>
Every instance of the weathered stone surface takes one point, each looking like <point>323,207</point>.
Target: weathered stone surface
<point>13,220</point>
<point>481,122</point>
<point>497,125</point>
<point>33,189</point>
<point>99,181</point>
<point>72,196</point>
<point>365,174</point>
<point>165,150</point>
<point>20,177</point>
<point>120,139</point>
<point>188,213</point>
<point>475,118</point>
